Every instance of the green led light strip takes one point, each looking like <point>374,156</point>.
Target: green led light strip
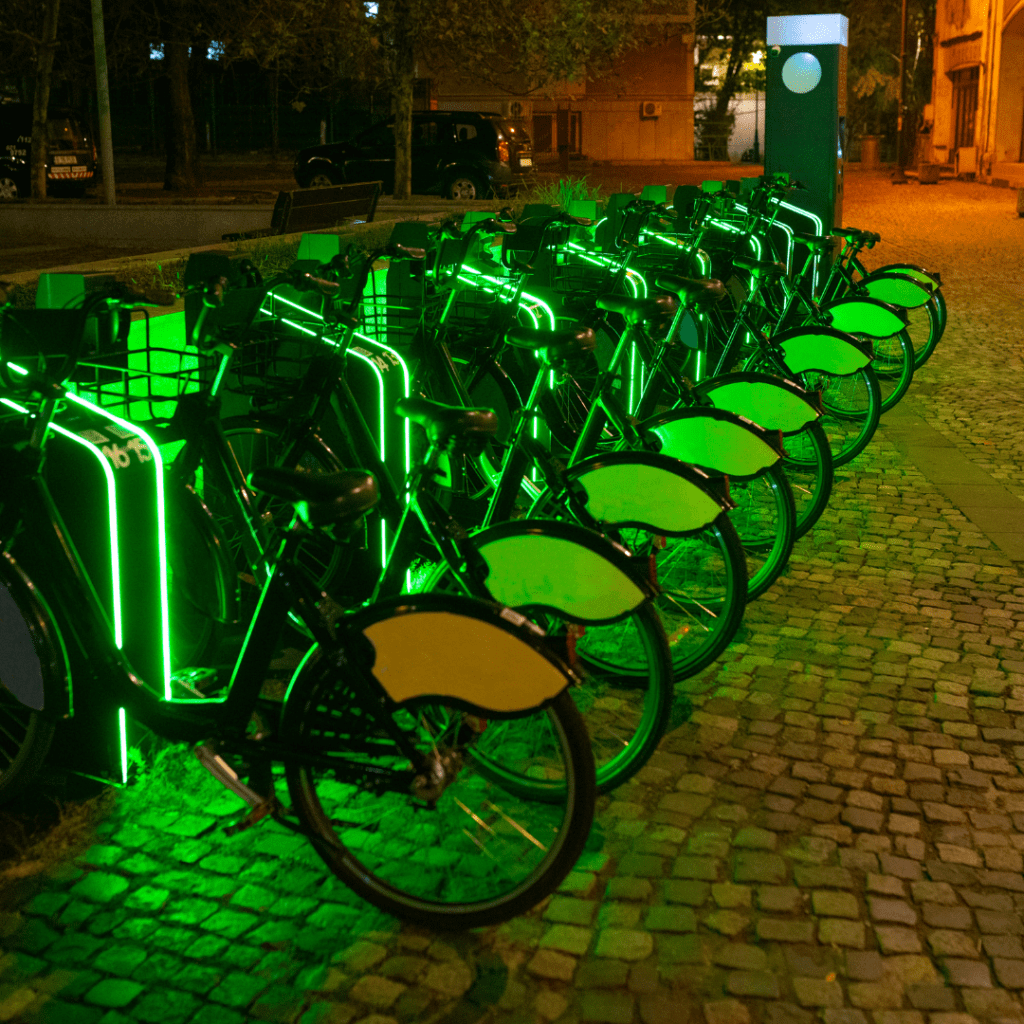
<point>407,383</point>
<point>115,559</point>
<point>123,727</point>
<point>535,299</point>
<point>161,526</point>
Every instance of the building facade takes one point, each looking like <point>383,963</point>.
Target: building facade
<point>639,111</point>
<point>978,89</point>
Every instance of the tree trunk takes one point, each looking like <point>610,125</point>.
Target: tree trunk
<point>275,92</point>
<point>403,76</point>
<point>41,98</point>
<point>182,159</point>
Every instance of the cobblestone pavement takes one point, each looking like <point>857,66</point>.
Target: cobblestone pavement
<point>837,834</point>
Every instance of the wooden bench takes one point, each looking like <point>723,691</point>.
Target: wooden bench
<point>310,209</point>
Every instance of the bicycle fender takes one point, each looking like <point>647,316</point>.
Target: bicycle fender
<point>465,651</point>
<point>824,349</point>
<point>897,290</point>
<point>716,439</point>
<point>771,402</point>
<point>930,279</point>
<point>649,491</point>
<point>562,568</point>
<point>870,317</point>
<point>33,661</point>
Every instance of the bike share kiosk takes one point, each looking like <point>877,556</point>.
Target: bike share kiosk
<point>805,117</point>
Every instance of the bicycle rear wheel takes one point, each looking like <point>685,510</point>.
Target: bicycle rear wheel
<point>626,696</point>
<point>702,582</point>
<point>893,364</point>
<point>852,408</point>
<point>485,852</point>
<point>765,519</point>
<point>808,467</point>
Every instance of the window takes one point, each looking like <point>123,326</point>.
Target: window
<point>465,132</point>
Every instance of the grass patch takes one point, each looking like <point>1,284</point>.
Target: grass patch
<point>564,191</point>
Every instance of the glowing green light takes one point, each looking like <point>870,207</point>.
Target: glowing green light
<point>632,377</point>
<point>14,405</point>
<point>407,385</point>
<point>638,278</point>
<point>380,381</point>
<point>295,305</point>
<point>158,466</point>
<point>221,370</point>
<point>533,316</point>
<point>123,727</point>
<point>18,369</point>
<point>543,305</point>
<point>115,558</point>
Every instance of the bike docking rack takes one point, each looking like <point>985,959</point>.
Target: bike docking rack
<point>105,473</point>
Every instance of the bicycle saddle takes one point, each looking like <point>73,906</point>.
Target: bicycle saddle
<point>329,497</point>
<point>445,422</point>
<point>818,244</point>
<point>555,346</point>
<point>857,237</point>
<point>759,268</point>
<point>636,311</point>
<point>692,291</point>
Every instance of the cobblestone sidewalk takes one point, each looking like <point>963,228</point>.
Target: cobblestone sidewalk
<point>837,834</point>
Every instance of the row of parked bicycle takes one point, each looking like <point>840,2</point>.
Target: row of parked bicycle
<point>611,431</point>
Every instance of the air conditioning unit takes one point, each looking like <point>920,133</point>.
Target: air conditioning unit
<point>649,110</point>
<point>520,110</point>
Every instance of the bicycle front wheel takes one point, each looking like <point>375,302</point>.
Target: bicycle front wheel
<point>483,852</point>
<point>257,442</point>
<point>852,408</point>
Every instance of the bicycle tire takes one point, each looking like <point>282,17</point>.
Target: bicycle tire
<point>927,323</point>
<point>765,520</point>
<point>925,327</point>
<point>256,442</point>
<point>893,363</point>
<point>33,650</point>
<point>702,581</point>
<point>422,868</point>
<point>852,408</point>
<point>626,703</point>
<point>808,467</point>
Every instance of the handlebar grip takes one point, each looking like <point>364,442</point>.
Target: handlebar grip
<point>410,252</point>
<point>311,283</point>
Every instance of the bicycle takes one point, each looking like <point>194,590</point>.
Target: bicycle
<point>386,720</point>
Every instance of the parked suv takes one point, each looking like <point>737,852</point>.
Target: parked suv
<point>460,154</point>
<point>71,155</point>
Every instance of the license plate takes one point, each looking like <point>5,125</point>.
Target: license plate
<point>525,161</point>
<point>65,158</point>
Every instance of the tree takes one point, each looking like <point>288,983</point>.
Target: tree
<point>30,33</point>
<point>728,32</point>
